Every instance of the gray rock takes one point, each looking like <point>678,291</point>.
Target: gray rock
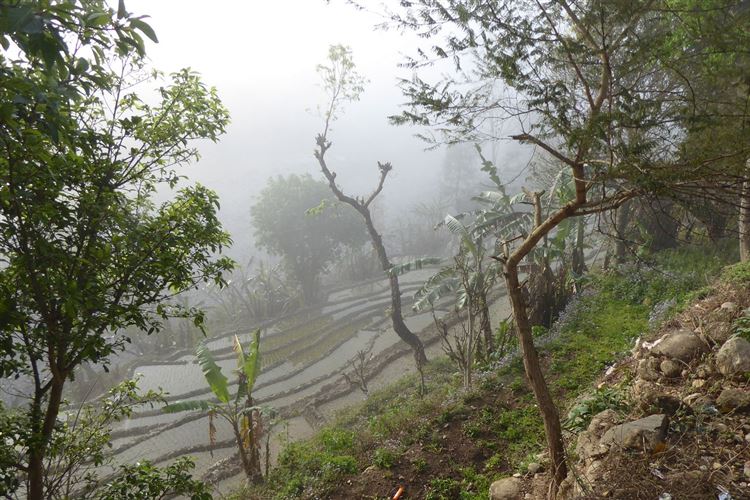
<point>698,402</point>
<point>704,371</point>
<point>508,488</point>
<point>729,306</point>
<point>602,422</point>
<point>681,345</point>
<point>732,399</point>
<point>587,446</point>
<point>718,332</point>
<point>645,433</point>
<point>670,368</point>
<point>533,468</point>
<point>648,369</point>
<point>734,357</point>
<point>669,404</point>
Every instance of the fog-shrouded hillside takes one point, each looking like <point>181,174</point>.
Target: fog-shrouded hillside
<point>374,249</point>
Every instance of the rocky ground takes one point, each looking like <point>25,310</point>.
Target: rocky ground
<point>682,430</point>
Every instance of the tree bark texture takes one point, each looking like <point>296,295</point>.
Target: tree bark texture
<point>37,452</point>
<point>397,318</point>
<point>744,221</point>
<point>534,374</point>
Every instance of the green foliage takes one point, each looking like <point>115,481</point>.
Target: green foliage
<point>61,53</point>
<point>738,274</point>
<point>498,415</point>
<point>253,293</point>
<point>308,241</point>
<point>217,381</point>
<point>613,323</point>
<point>602,399</point>
<point>181,406</point>
<point>251,360</point>
<point>443,489</point>
<point>303,465</point>
<point>240,412</point>
<point>420,465</point>
<point>741,326</point>
<point>336,440</point>
<point>670,274</point>
<point>340,79</point>
<point>87,251</point>
<point>79,444</point>
<point>385,458</point>
<point>145,480</point>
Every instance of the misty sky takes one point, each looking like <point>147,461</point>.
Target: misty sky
<point>261,56</point>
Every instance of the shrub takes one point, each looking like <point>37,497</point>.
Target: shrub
<point>385,458</point>
<point>602,399</point>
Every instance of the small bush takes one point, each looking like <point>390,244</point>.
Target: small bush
<point>741,326</point>
<point>420,465</point>
<point>385,458</point>
<point>738,274</point>
<point>336,440</point>
<point>443,489</point>
<point>580,415</point>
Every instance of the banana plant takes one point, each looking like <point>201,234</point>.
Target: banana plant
<point>240,411</point>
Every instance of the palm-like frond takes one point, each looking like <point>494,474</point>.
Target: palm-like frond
<point>251,365</point>
<point>216,380</point>
<point>180,406</point>
<point>413,265</point>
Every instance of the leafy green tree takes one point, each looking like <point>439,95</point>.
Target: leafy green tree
<point>79,447</point>
<point>709,41</point>
<point>86,252</point>
<point>144,480</point>
<point>240,411</point>
<point>54,52</point>
<point>294,217</point>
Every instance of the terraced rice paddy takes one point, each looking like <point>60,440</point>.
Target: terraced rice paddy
<point>303,358</point>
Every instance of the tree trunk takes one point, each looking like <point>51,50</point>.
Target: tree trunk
<point>486,326</point>
<point>579,258</point>
<point>246,465</point>
<point>38,450</point>
<point>621,227</point>
<point>744,221</point>
<point>660,224</point>
<point>535,376</point>
<point>397,318</point>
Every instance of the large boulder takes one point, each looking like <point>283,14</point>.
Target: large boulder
<point>734,357</point>
<point>508,488</point>
<point>682,345</point>
<point>643,434</point>
<point>733,399</point>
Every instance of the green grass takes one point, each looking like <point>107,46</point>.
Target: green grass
<point>670,274</point>
<point>738,274</point>
<point>603,328</point>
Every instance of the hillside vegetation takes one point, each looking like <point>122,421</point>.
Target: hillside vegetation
<point>451,443</point>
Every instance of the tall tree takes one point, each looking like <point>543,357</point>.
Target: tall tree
<point>342,83</point>
<point>295,218</point>
<point>709,41</point>
<point>85,251</point>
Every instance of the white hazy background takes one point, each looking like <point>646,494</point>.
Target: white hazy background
<point>261,56</point>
